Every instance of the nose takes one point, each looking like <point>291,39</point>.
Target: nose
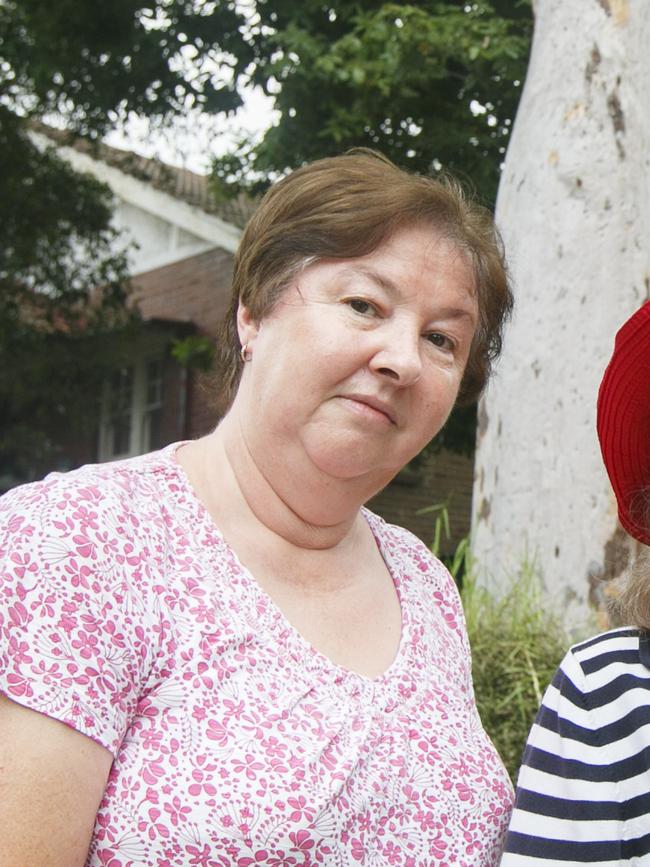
<point>398,356</point>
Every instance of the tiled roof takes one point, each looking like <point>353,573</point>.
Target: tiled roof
<point>183,184</point>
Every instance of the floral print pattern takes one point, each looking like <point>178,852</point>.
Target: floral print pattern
<point>125,614</point>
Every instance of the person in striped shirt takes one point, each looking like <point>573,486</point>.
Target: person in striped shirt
<point>583,793</point>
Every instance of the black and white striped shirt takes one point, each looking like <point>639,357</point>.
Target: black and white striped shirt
<point>583,794</point>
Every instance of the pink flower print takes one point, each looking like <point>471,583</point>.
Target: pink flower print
<point>278,766</point>
<point>78,576</point>
<point>147,709</point>
<point>84,547</point>
<point>358,849</point>
<point>217,732</point>
<point>44,605</point>
<point>200,858</point>
<point>131,558</point>
<point>364,821</point>
<point>259,857</point>
<point>201,783</point>
<point>104,828</point>
<point>199,713</point>
<point>234,709</point>
<point>18,651</point>
<point>273,747</point>
<point>393,853</point>
<point>425,820</point>
<point>151,739</point>
<point>200,614</point>
<point>176,811</point>
<point>18,685</point>
<point>280,860</point>
<point>107,860</point>
<point>438,848</point>
<point>102,680</point>
<point>151,795</point>
<point>464,792</point>
<point>15,522</point>
<point>18,615</point>
<point>86,518</point>
<point>91,494</point>
<point>300,809</point>
<point>412,794</point>
<point>67,623</point>
<point>23,565</point>
<point>302,840</point>
<point>155,827</point>
<point>85,644</point>
<point>152,772</point>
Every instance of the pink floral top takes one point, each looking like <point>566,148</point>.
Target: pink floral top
<point>124,614</point>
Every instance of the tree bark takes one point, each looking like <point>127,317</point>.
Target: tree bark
<point>574,208</point>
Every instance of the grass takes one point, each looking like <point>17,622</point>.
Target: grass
<point>517,643</point>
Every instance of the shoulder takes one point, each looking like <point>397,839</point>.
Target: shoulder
<point>605,659</point>
<point>92,529</point>
<point>122,487</point>
<point>586,758</point>
<point>596,693</point>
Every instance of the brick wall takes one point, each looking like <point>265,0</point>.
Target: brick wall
<point>196,290</point>
<point>446,478</point>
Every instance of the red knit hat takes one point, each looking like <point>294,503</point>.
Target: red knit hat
<point>623,423</point>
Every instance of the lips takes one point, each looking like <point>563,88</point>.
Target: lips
<point>374,403</point>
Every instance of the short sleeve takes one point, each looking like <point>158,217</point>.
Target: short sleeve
<point>567,806</point>
<point>75,627</point>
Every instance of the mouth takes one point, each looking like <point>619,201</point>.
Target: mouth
<point>371,406</point>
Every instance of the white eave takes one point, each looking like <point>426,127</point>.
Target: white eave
<point>210,228</point>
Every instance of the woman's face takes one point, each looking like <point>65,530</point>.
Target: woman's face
<point>359,363</point>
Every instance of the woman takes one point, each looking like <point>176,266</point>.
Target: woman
<point>250,668</point>
<point>583,794</point>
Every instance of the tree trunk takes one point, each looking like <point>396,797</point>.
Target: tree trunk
<point>574,208</point>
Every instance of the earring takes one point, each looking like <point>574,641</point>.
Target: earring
<point>243,353</point>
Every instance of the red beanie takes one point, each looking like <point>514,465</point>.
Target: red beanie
<point>623,423</point>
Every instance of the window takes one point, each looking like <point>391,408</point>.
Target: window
<point>131,420</point>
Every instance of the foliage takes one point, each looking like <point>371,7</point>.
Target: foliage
<point>195,351</point>
<point>517,643</point>
<point>57,245</point>
<point>93,63</point>
<point>90,64</point>
<point>430,84</point>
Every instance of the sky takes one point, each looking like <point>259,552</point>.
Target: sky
<point>191,142</point>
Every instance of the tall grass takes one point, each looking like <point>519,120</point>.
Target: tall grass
<point>517,642</point>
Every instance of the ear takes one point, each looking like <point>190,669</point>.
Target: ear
<point>247,328</point>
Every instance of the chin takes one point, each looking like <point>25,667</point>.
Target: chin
<point>349,464</point>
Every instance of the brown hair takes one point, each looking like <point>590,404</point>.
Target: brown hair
<point>345,207</point>
<point>629,604</point>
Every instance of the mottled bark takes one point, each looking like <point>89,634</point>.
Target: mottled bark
<point>574,208</point>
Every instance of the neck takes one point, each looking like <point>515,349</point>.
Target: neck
<point>282,493</point>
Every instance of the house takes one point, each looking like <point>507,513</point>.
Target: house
<point>181,267</point>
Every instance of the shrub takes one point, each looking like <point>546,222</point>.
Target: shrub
<point>517,642</point>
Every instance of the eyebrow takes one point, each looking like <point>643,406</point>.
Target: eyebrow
<point>392,289</point>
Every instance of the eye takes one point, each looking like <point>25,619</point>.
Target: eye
<point>441,341</point>
<point>360,305</point>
